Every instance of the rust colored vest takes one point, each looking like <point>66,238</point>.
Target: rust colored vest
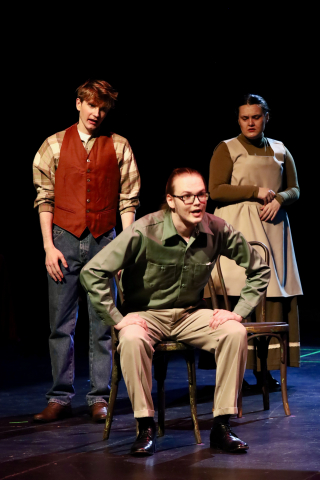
<point>87,186</point>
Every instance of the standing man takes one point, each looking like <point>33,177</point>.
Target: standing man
<point>82,175</point>
<point>167,258</point>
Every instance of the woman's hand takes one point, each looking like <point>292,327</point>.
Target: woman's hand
<point>266,195</point>
<point>269,211</point>
<point>132,319</point>
<point>221,316</point>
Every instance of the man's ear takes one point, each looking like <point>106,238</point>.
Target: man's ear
<point>170,201</point>
<point>78,104</point>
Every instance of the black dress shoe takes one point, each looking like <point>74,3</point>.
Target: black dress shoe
<point>272,382</point>
<point>223,438</point>
<point>246,386</point>
<point>145,443</point>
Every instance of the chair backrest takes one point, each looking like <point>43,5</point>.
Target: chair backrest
<point>214,298</point>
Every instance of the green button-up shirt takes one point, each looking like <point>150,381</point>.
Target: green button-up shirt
<point>160,270</point>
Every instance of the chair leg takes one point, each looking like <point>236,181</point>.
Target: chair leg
<point>160,373</point>
<point>263,344</point>
<point>193,393</point>
<point>283,372</point>
<point>239,404</point>
<point>115,379</point>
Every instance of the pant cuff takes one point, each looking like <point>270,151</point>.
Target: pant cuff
<point>225,411</point>
<point>143,413</point>
<point>55,400</point>
<point>97,400</point>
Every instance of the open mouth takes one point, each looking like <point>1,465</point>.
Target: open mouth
<point>196,212</point>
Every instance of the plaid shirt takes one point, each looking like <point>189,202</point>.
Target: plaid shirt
<point>46,163</point>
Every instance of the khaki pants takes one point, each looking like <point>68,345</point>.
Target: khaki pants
<point>191,326</point>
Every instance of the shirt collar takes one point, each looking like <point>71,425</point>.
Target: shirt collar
<point>169,230</point>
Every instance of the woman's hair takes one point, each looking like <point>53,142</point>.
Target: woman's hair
<point>251,99</point>
<point>178,172</point>
<point>99,91</point>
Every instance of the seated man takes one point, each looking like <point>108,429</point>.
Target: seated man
<point>167,258</point>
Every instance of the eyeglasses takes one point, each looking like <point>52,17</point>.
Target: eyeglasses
<point>189,199</point>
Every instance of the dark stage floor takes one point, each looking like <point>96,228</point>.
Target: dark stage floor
<point>280,447</point>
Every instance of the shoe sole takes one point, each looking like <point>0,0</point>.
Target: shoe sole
<point>235,450</point>
<point>50,421</point>
<point>142,453</point>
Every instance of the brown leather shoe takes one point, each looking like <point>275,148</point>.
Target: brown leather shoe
<point>98,412</point>
<point>54,411</point>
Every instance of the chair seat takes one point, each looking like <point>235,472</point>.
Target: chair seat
<point>171,346</point>
<point>265,327</point>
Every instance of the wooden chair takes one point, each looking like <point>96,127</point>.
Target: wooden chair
<point>261,334</point>
<point>162,349</point>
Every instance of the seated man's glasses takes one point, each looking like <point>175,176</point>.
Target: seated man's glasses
<point>189,199</point>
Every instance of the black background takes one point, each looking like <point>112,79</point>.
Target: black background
<point>178,71</point>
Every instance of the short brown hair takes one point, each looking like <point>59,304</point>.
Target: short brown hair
<point>99,91</point>
<point>178,172</point>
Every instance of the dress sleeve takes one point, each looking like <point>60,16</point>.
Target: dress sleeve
<point>220,190</point>
<point>292,192</point>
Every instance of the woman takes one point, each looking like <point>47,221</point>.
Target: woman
<point>253,178</point>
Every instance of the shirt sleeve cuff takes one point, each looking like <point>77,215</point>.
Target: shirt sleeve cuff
<point>128,209</point>
<point>45,207</point>
<point>256,192</point>
<point>279,198</point>
<point>243,309</point>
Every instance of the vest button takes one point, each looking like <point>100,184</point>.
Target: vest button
<point>88,170</point>
<point>88,201</point>
<point>88,179</point>
<point>88,190</point>
<point>88,211</point>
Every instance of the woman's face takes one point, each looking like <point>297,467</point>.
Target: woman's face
<point>252,121</point>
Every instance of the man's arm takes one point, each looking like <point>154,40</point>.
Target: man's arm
<point>129,180</point>
<point>44,167</point>
<point>258,275</point>
<point>53,255</point>
<point>127,218</point>
<point>257,271</point>
<point>94,277</point>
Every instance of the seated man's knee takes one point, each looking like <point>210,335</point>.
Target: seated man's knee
<point>236,330</point>
<point>132,338</point>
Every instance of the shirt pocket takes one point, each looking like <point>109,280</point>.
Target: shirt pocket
<point>201,273</point>
<point>159,279</point>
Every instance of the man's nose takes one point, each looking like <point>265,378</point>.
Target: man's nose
<point>96,112</point>
<point>251,121</point>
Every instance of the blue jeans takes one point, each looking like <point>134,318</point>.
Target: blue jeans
<point>63,313</point>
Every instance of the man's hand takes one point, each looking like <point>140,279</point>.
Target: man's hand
<point>132,319</point>
<point>268,212</point>
<point>266,195</point>
<point>221,316</point>
<point>53,255</point>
